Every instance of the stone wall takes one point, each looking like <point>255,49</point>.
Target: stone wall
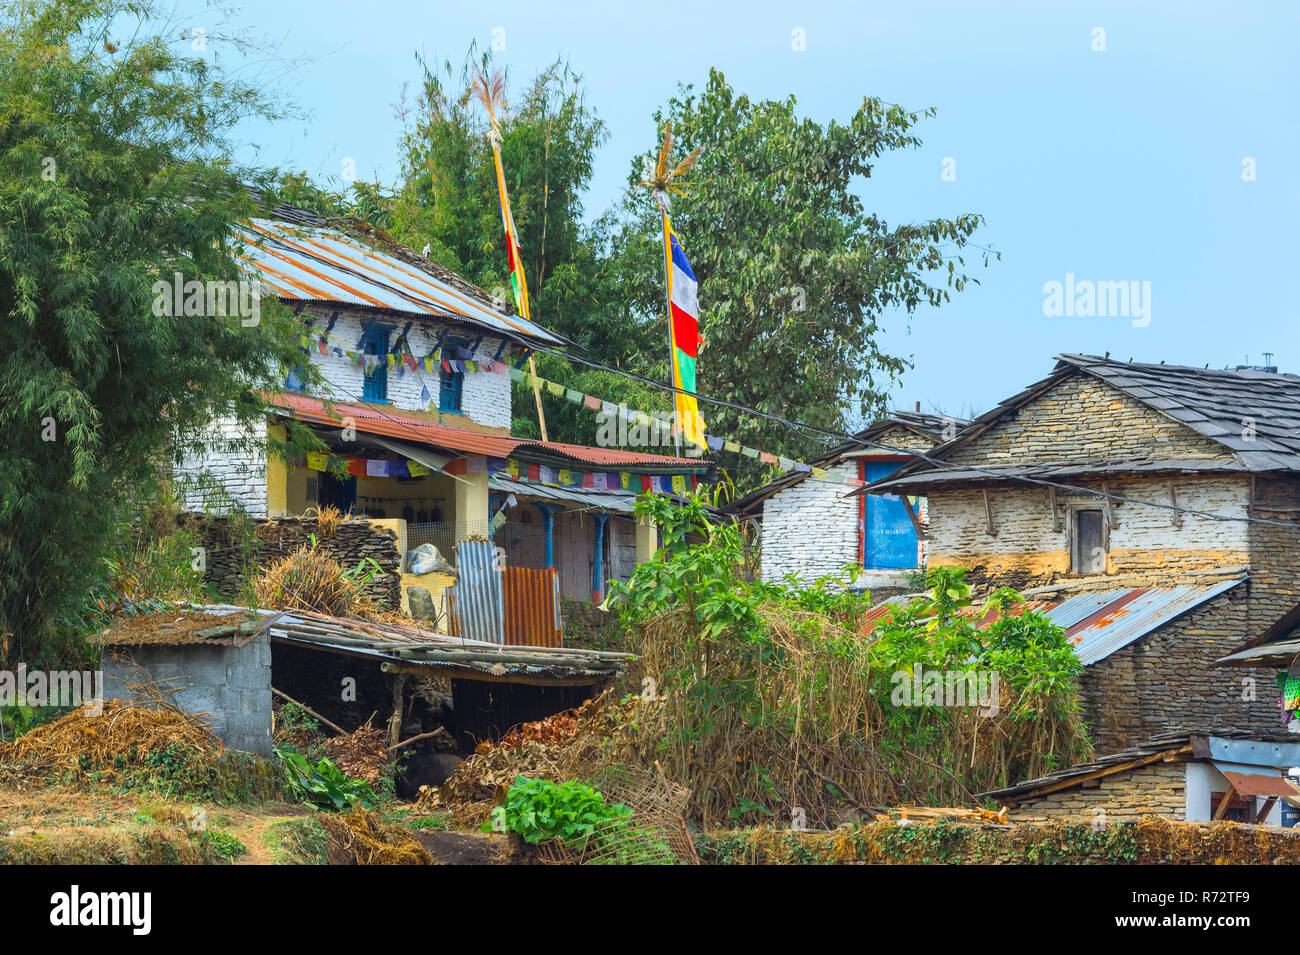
<point>351,542</point>
<point>1030,549</point>
<point>485,396</point>
<point>1157,789</point>
<point>811,528</point>
<point>1082,420</point>
<point>230,684</point>
<point>231,469</point>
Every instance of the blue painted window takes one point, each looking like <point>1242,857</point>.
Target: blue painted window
<point>888,537</point>
<point>450,383</point>
<point>375,342</point>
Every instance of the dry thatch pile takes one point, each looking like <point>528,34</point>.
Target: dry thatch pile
<point>362,838</point>
<point>308,579</point>
<point>123,735</point>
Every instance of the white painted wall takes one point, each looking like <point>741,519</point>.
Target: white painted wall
<point>1203,779</point>
<point>810,528</point>
<point>240,472</point>
<point>485,397</point>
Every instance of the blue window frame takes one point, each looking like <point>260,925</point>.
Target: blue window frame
<point>375,342</point>
<point>450,383</point>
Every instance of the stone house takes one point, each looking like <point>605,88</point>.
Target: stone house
<point>1158,504</point>
<point>811,526</point>
<point>415,414</point>
<point>1187,777</point>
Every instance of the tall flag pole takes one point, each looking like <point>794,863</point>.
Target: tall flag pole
<point>491,96</point>
<point>681,293</point>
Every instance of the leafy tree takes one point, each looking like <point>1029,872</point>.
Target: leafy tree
<point>113,176</point>
<point>795,273</point>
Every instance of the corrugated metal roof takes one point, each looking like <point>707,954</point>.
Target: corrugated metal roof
<point>409,426</point>
<point>1099,623</point>
<point>615,501</point>
<point>1133,615</point>
<point>321,264</point>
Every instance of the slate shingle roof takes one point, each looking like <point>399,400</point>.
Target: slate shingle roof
<point>1214,403</point>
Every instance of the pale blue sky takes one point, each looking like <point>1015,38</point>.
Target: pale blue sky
<point>1117,165</point>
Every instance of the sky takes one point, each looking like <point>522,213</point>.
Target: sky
<point>1138,142</point>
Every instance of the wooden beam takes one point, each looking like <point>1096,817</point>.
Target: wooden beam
<point>1056,509</point>
<point>1110,513</point>
<point>988,514</point>
<point>1173,499</point>
<point>1268,806</point>
<point>913,517</point>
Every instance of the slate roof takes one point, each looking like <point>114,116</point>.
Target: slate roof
<point>928,425</point>
<point>1163,743</point>
<point>1211,402</point>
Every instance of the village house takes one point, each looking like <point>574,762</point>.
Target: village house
<point>1148,509</point>
<point>1185,776</point>
<point>416,415</point>
<point>811,527</point>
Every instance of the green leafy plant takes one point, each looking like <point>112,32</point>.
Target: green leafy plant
<point>537,810</point>
<point>323,783</point>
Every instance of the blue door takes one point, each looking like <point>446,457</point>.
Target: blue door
<point>889,540</point>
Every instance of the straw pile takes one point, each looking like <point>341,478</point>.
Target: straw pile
<point>361,838</point>
<point>123,735</point>
<point>308,579</point>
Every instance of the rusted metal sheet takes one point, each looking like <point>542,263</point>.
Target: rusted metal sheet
<point>532,606</point>
<point>311,263</point>
<point>1130,618</point>
<point>477,596</point>
<point>1097,623</point>
<point>1257,784</point>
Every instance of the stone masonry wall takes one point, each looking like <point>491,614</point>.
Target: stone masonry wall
<point>1166,681</point>
<point>1082,420</point>
<point>1158,789</point>
<point>810,528</point>
<point>350,543</point>
<point>1029,550</point>
<point>227,472</point>
<point>231,685</point>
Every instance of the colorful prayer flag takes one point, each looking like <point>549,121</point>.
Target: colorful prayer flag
<point>684,335</point>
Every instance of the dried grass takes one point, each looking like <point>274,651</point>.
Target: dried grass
<point>362,838</point>
<point>361,754</point>
<point>308,579</point>
<point>123,735</point>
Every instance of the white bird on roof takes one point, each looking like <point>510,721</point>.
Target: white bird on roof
<point>425,253</point>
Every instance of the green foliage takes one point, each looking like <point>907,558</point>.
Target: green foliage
<point>114,138</point>
<point>795,271</point>
<point>771,693</point>
<point>537,810</point>
<point>220,846</point>
<point>323,783</point>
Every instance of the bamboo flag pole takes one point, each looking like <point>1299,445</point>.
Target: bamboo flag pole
<point>491,96</point>
<point>661,184</point>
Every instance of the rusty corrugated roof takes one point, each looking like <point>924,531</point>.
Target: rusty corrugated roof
<point>1097,623</point>
<point>408,426</point>
<point>311,263</point>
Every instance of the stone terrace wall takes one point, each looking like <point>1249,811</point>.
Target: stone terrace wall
<point>350,543</point>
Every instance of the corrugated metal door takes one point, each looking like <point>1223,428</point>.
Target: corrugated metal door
<point>478,597</point>
<point>532,602</point>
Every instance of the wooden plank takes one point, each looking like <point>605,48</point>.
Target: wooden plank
<point>912,516</point>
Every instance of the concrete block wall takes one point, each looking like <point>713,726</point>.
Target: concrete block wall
<point>810,528</point>
<point>232,685</point>
<point>485,396</point>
